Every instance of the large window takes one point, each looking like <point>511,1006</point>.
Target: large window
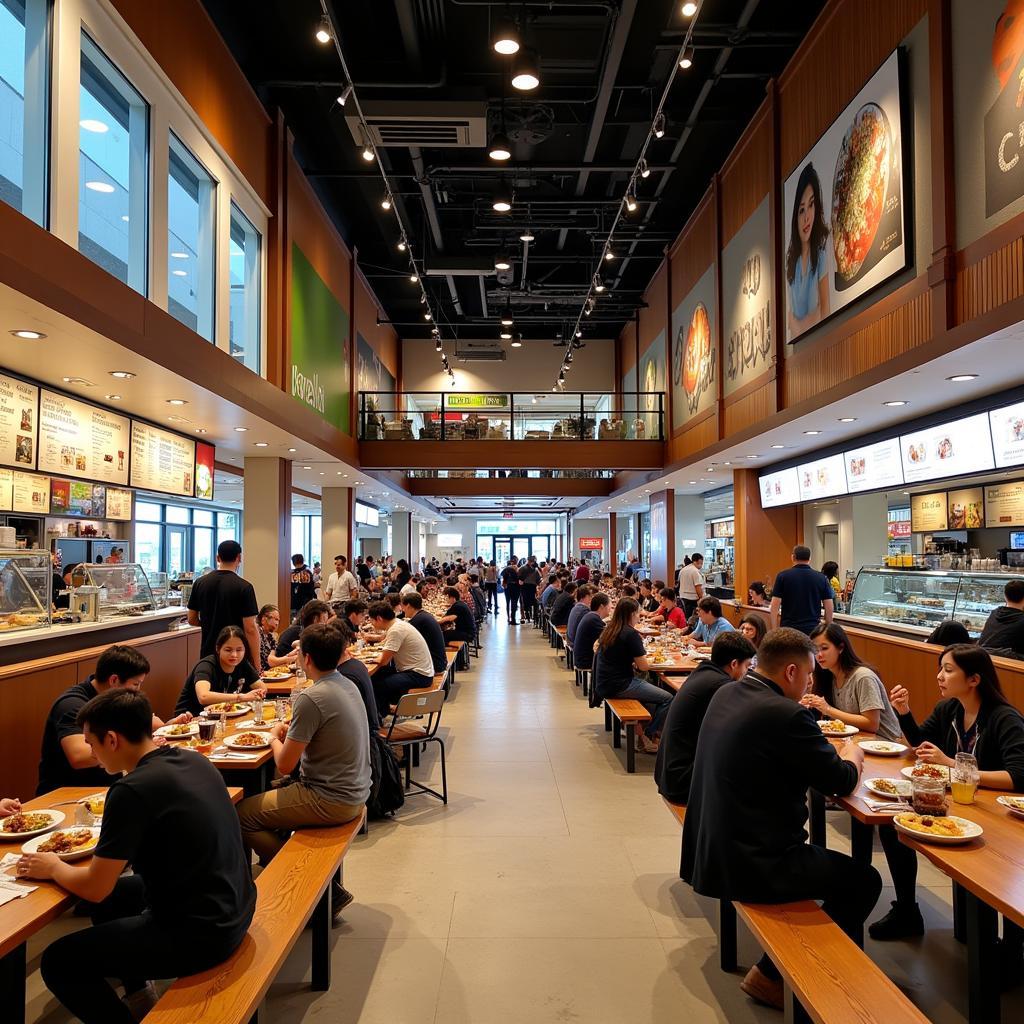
<point>244,272</point>
<point>306,534</point>
<point>113,140</point>
<point>191,214</point>
<point>177,538</point>
<point>24,105</point>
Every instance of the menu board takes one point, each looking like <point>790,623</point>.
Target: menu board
<point>928,512</point>
<point>964,446</point>
<point>206,456</point>
<point>81,440</point>
<point>18,403</point>
<point>1008,434</point>
<point>31,493</point>
<point>874,466</point>
<point>1004,504</point>
<point>781,488</point>
<point>162,461</point>
<point>119,504</point>
<point>966,509</point>
<point>6,489</point>
<point>60,496</point>
<point>822,479</point>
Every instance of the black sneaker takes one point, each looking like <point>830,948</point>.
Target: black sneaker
<point>899,923</point>
<point>340,899</point>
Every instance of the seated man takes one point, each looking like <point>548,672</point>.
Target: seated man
<point>1004,628</point>
<point>404,663</point>
<point>588,629</point>
<point>310,614</point>
<point>562,605</point>
<point>328,739</point>
<point>428,627</point>
<point>584,592</point>
<point>355,612</point>
<point>550,592</point>
<point>712,623</point>
<point>458,623</point>
<point>67,759</point>
<point>190,899</point>
<point>668,611</point>
<point>353,669</point>
<point>747,841</point>
<point>730,659</point>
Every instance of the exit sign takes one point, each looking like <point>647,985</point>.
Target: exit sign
<point>506,515</point>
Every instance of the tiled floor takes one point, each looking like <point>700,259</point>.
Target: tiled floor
<point>547,889</point>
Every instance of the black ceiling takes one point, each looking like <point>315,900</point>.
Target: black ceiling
<point>603,68</point>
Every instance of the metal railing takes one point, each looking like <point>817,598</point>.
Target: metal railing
<point>509,416</point>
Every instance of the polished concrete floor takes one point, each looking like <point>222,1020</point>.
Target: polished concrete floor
<point>547,889</point>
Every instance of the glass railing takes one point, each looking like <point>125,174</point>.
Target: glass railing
<point>509,416</point>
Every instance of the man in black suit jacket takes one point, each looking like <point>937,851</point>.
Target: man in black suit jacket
<point>744,836</point>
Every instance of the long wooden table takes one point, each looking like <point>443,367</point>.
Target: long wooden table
<point>21,919</point>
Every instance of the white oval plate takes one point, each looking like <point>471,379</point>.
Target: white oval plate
<point>1014,804</point>
<point>905,789</point>
<point>232,742</point>
<point>884,748</point>
<point>908,772</point>
<point>168,734</point>
<point>33,845</point>
<point>971,830</point>
<point>251,723</point>
<point>848,730</point>
<point>276,679</point>
<point>207,713</point>
<point>56,817</point>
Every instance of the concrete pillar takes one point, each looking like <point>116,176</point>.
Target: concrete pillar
<point>663,535</point>
<point>401,536</point>
<point>613,543</point>
<point>267,502</point>
<point>870,540</point>
<point>336,509</point>
<point>689,527</point>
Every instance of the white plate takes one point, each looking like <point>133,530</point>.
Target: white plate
<point>251,723</point>
<point>905,789</point>
<point>276,679</point>
<point>908,772</point>
<point>165,731</point>
<point>232,742</point>
<point>94,796</point>
<point>33,845</point>
<point>884,748</point>
<point>848,730</point>
<point>1014,804</point>
<point>56,817</point>
<point>247,710</point>
<point>971,830</point>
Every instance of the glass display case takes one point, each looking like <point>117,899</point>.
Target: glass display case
<point>917,601</point>
<point>123,589</point>
<point>25,590</point>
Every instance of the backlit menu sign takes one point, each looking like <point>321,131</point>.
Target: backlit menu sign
<point>1004,504</point>
<point>6,489</point>
<point>1008,434</point>
<point>964,446</point>
<point>162,461</point>
<point>781,488</point>
<point>928,512</point>
<point>119,504</point>
<point>18,404</point>
<point>31,493</point>
<point>206,456</point>
<point>81,440</point>
<point>874,466</point>
<point>591,543</point>
<point>822,479</point>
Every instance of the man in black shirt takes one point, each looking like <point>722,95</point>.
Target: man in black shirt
<point>190,899</point>
<point>510,584</point>
<point>588,629</point>
<point>222,598</point>
<point>744,837</point>
<point>801,595</point>
<point>303,589</point>
<point>730,659</point>
<point>429,628</point>
<point>459,617</point>
<point>562,605</point>
<point>1004,629</point>
<point>312,613</point>
<point>529,580</point>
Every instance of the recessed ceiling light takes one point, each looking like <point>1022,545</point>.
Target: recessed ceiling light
<point>896,404</point>
<point>179,255</point>
<point>112,398</point>
<point>201,430</point>
<point>177,401</point>
<point>307,467</point>
<point>90,124</point>
<point>180,273</point>
<point>726,463</point>
<point>693,481</point>
<point>100,186</point>
<point>322,473</point>
<point>778,446</point>
<point>340,473</point>
<point>241,430</point>
<point>959,378</point>
<point>122,374</point>
<point>753,456</point>
<point>262,444</point>
<point>28,335</point>
<point>847,419</point>
<point>812,433</point>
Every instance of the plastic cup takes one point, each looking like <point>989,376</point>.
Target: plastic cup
<point>207,729</point>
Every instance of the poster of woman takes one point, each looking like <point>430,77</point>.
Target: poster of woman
<point>807,257</point>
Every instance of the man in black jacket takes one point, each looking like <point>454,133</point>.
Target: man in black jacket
<point>562,604</point>
<point>730,659</point>
<point>510,584</point>
<point>529,580</point>
<point>744,837</point>
<point>1004,629</point>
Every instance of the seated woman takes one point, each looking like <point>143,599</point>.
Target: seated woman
<point>649,603</point>
<point>224,676</point>
<point>620,655</point>
<point>974,716</point>
<point>757,596</point>
<point>268,621</point>
<point>847,689</point>
<point>949,632</point>
<point>754,628</point>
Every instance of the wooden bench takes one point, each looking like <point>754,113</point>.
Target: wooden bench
<point>291,890</point>
<point>461,659</point>
<point>630,714</point>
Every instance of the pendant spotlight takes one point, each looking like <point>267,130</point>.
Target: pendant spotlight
<point>502,201</point>
<point>501,148</point>
<point>525,70</point>
<point>686,58</point>
<point>502,261</point>
<point>323,32</point>
<point>345,93</point>
<point>689,9</point>
<point>659,126</point>
<point>506,37</point>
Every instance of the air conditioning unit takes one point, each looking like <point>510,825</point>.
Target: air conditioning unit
<point>444,124</point>
<point>480,352</point>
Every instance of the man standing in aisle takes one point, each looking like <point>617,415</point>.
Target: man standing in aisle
<point>801,595</point>
<point>303,588</point>
<point>222,598</point>
<point>510,584</point>
<point>529,580</point>
<point>691,584</point>
<point>341,584</point>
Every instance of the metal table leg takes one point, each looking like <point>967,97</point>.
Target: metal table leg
<point>982,962</point>
<point>12,984</point>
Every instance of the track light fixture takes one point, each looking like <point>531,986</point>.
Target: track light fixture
<point>385,203</point>
<point>501,148</point>
<point>659,126</point>
<point>502,201</point>
<point>526,236</point>
<point>323,31</point>
<point>609,255</point>
<point>525,70</point>
<point>689,9</point>
<point>517,341</point>
<point>506,37</point>
<point>414,278</point>
<point>367,153</point>
<point>598,284</point>
<point>506,334</point>
<point>645,171</point>
<point>428,315</point>
<point>686,58</point>
<point>345,93</point>
<point>506,318</point>
<point>631,200</point>
<point>502,261</point>
<point>437,345</point>
<point>402,245</point>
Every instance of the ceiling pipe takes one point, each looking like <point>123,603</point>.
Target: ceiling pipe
<point>526,170</point>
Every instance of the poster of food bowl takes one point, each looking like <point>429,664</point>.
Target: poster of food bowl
<point>206,456</point>
<point>844,207</point>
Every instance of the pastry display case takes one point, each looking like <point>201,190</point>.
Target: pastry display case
<point>26,581</point>
<point>123,589</point>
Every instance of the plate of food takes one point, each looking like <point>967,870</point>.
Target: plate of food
<point>833,727</point>
<point>281,672</point>
<point>926,771</point>
<point>25,824</point>
<point>231,710</point>
<point>94,803</point>
<point>893,789</point>
<point>886,748</point>
<point>1014,804</point>
<point>247,741</point>
<point>251,723</point>
<point>180,731</point>
<point>68,843</point>
<point>945,831</point>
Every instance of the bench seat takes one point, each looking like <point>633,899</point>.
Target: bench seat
<point>631,715</point>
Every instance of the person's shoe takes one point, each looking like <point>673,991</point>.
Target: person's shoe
<point>899,923</point>
<point>139,1003</point>
<point>763,989</point>
<point>340,899</point>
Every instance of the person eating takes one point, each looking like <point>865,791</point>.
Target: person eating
<point>226,676</point>
<point>669,613</point>
<point>404,663</point>
<point>754,628</point>
<point>428,627</point>
<point>268,622</point>
<point>311,613</point>
<point>584,592</point>
<point>457,622</point>
<point>712,623</point>
<point>588,629</point>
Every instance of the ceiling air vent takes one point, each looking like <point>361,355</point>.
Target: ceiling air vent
<point>447,124</point>
<point>480,352</point>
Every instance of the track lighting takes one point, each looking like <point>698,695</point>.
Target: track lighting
<point>428,316</point>
<point>323,31</point>
<point>506,37</point>
<point>401,245</point>
<point>502,261</point>
<point>385,203</point>
<point>526,236</point>
<point>579,334</point>
<point>437,345</point>
<point>506,318</point>
<point>345,93</point>
<point>689,9</point>
<point>598,284</point>
<point>367,153</point>
<point>423,299</point>
<point>609,255</point>
<point>645,171</point>
<point>506,334</point>
<point>517,342</point>
<point>686,58</point>
<point>659,126</point>
<point>502,201</point>
<point>631,200</point>
<point>525,73</point>
<point>561,376</point>
<point>414,278</point>
<point>501,148</point>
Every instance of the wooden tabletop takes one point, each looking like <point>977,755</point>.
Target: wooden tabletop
<point>21,919</point>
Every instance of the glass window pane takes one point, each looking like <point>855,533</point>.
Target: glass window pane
<point>541,548</point>
<point>202,550</point>
<point>177,514</point>
<point>147,545</point>
<point>191,197</point>
<point>315,525</point>
<point>202,517</point>
<point>148,510</point>
<point>175,550</point>
<point>485,547</point>
<point>113,141</point>
<point>24,105</point>
<point>244,264</point>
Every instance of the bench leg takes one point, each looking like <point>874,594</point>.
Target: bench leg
<point>982,962</point>
<point>607,718</point>
<point>794,1011</point>
<point>616,733</point>
<point>726,936</point>
<point>12,984</point>
<point>321,967</point>
<point>631,734</point>
<point>959,912</point>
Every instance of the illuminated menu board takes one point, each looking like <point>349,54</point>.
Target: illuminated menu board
<point>874,466</point>
<point>31,493</point>
<point>781,488</point>
<point>1004,504</point>
<point>81,440</point>
<point>18,435</point>
<point>119,504</point>
<point>928,512</point>
<point>822,479</point>
<point>950,449</point>
<point>1008,434</point>
<point>162,461</point>
<point>6,489</point>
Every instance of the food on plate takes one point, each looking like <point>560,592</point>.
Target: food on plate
<point>178,730</point>
<point>890,787</point>
<point>248,739</point>
<point>25,821</point>
<point>69,841</point>
<point>948,828</point>
<point>944,449</point>
<point>1016,802</point>
<point>832,725</point>
<point>226,709</point>
<point>95,804</point>
<point>280,672</point>
<point>929,771</point>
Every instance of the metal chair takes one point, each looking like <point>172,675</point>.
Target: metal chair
<point>410,735</point>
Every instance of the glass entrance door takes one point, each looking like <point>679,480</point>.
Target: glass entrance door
<point>521,547</point>
<point>540,548</point>
<point>177,554</point>
<point>502,550</point>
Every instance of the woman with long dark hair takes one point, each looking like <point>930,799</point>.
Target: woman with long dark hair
<point>973,717</point>
<point>226,676</point>
<point>806,256</point>
<point>620,655</point>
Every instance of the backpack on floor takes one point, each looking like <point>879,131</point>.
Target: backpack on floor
<point>387,787</point>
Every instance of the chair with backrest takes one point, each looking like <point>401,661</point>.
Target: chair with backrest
<point>410,735</point>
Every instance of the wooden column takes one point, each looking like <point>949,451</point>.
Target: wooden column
<point>764,537</point>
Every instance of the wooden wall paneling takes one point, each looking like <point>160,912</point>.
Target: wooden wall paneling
<point>746,176</point>
<point>652,315</point>
<point>744,410</point>
<point>353,342</point>
<point>719,340</point>
<point>990,281</point>
<point>278,255</point>
<point>776,222</point>
<point>694,249</point>
<point>696,435</point>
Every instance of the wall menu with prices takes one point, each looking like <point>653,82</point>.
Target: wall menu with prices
<point>31,493</point>
<point>822,479</point>
<point>19,402</point>
<point>928,512</point>
<point>162,461</point>
<point>81,440</point>
<point>1004,504</point>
